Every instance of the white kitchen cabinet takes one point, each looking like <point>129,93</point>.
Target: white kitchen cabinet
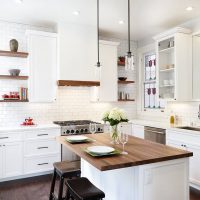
<point>1,161</point>
<point>190,142</point>
<point>77,47</point>
<point>195,67</point>
<point>138,131</point>
<point>41,150</point>
<point>108,89</point>
<point>11,159</point>
<point>174,64</point>
<point>42,59</point>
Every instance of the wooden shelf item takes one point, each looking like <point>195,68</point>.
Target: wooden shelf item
<point>14,77</point>
<point>121,63</point>
<point>14,100</point>
<point>14,54</point>
<point>125,100</point>
<point>126,82</point>
<point>78,83</point>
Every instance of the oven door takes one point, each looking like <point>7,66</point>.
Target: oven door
<point>67,155</point>
<point>155,135</point>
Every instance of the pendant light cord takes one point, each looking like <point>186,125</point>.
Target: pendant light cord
<point>98,62</point>
<point>129,45</point>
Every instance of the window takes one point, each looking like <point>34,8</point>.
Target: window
<point>150,91</point>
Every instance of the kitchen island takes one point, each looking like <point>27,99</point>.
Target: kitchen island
<point>150,171</point>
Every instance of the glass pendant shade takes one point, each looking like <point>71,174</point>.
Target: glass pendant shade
<point>98,71</point>
<point>129,62</point>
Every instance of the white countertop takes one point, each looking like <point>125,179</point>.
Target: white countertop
<point>163,125</point>
<point>28,128</point>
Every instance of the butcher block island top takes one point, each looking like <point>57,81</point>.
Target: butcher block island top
<point>140,152</point>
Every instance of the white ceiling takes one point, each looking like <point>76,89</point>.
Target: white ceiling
<point>148,17</point>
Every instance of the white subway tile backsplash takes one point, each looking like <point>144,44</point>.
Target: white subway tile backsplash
<point>71,103</point>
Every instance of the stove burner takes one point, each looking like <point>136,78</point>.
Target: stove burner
<point>77,127</point>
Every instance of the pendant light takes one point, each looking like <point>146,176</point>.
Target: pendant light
<point>129,58</point>
<point>98,65</point>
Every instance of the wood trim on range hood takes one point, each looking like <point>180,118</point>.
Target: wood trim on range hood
<point>78,83</point>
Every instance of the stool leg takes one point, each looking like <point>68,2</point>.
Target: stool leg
<point>52,185</point>
<point>67,197</point>
<point>60,192</point>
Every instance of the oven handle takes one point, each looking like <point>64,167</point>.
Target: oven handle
<point>159,132</point>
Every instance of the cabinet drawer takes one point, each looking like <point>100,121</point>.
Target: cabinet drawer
<point>41,147</point>
<point>40,164</point>
<point>183,137</point>
<point>42,134</point>
<point>10,137</point>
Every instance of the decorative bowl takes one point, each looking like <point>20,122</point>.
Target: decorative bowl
<point>14,72</point>
<point>122,78</point>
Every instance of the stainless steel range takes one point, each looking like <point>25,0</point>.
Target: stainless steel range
<point>78,127</point>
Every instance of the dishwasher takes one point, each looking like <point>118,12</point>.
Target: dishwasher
<point>155,134</point>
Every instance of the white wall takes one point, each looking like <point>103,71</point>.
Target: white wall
<point>72,102</point>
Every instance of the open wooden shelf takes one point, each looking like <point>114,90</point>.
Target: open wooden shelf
<point>78,83</point>
<point>126,100</point>
<point>126,82</point>
<point>14,54</point>
<point>121,63</point>
<point>14,100</point>
<point>13,77</point>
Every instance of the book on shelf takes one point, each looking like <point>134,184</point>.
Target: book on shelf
<point>23,93</point>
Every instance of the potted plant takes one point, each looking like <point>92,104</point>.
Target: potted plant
<point>114,117</point>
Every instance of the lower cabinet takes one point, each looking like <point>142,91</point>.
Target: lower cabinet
<point>190,143</point>
<point>34,154</point>
<point>40,163</point>
<point>138,131</point>
<point>1,161</point>
<point>11,159</point>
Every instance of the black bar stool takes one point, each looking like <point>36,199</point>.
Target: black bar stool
<point>64,170</point>
<point>83,189</point>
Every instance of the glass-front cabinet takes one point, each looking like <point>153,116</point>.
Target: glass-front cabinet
<point>174,61</point>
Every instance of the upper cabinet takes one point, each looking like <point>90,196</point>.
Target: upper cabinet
<point>42,48</point>
<point>108,89</point>
<point>174,61</point>
<point>77,52</point>
<point>196,68</point>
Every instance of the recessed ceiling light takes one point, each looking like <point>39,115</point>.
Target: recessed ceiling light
<point>121,21</point>
<point>76,12</point>
<point>19,1</point>
<point>189,8</point>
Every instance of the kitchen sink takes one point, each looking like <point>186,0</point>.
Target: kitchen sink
<point>190,128</point>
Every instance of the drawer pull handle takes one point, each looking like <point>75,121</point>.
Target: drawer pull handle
<point>43,147</point>
<point>1,138</point>
<point>43,164</point>
<point>42,134</point>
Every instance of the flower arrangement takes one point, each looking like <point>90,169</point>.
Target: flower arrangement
<point>114,117</point>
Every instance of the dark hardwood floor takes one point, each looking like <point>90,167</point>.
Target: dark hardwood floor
<point>37,188</point>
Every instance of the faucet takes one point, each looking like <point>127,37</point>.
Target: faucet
<point>199,112</point>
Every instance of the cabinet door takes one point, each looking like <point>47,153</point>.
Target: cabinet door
<point>13,159</point>
<point>138,131</point>
<point>108,78</point>
<point>1,161</point>
<point>43,67</point>
<point>178,145</point>
<point>194,164</point>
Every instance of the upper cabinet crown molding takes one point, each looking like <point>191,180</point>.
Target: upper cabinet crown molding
<point>111,43</point>
<point>172,32</point>
<point>41,33</point>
